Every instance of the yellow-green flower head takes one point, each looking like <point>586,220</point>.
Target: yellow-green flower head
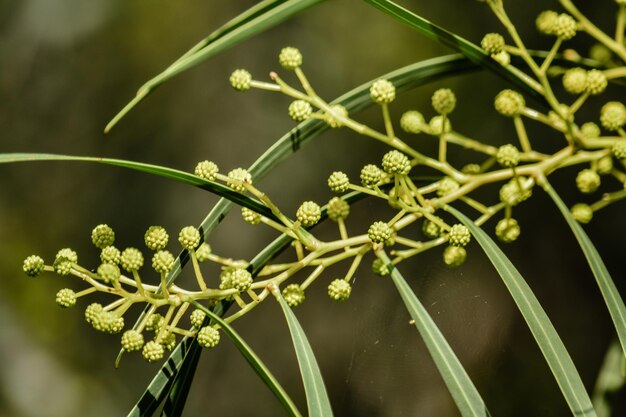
<point>471,169</point>
<point>546,22</point>
<point>382,91</point>
<point>395,162</point>
<point>206,169</point>
<point>412,122</point>
<point>339,290</point>
<point>379,268</point>
<point>300,110</point>
<point>587,181</point>
<point>163,261</point>
<point>454,256</point>
<point>92,311</point>
<point>613,115</point>
<point>459,235</point>
<point>203,252</point>
<point>431,229</point>
<point>333,118</point>
<point>108,322</point>
<point>338,209</point>
<point>604,165</point>
<point>338,182</point>
<point>156,238</point>
<point>293,295</point>
<point>509,103</point>
<point>237,177</point>
<point>33,265</point>
<point>64,260</point>
<point>447,186</point>
<point>102,236</point>
<point>241,280</point>
<point>512,195</point>
<point>189,237</point>
<point>241,80</point>
<point>565,27</point>
<point>66,298</point>
<point>208,337</point>
<point>619,149</point>
<point>109,273</point>
<point>582,213</point>
<point>309,213</point>
<point>153,351</point>
<point>290,58</point>
<point>154,322</point>
<point>493,43</point>
<point>132,341</point>
<point>250,216</point>
<point>110,255</point>
<point>575,80</point>
<point>600,53</point>
<point>379,232</point>
<point>503,58</point>
<point>131,259</point>
<point>436,125</point>
<point>590,130</point>
<point>197,318</point>
<point>370,175</point>
<point>596,82</point>
<point>226,278</point>
<point>507,230</point>
<point>443,101</point>
<point>508,156</point>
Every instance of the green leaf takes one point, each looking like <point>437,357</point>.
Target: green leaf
<point>611,379</point>
<point>259,18</point>
<point>254,361</point>
<point>461,387</point>
<point>179,391</point>
<point>611,295</point>
<point>541,327</point>
<point>317,400</point>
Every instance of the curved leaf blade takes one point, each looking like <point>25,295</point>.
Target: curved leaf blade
<point>609,291</point>
<point>541,327</point>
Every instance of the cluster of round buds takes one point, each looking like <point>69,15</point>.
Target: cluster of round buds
<point>237,177</point>
<point>552,23</point>
<point>338,209</point>
<point>587,181</point>
<point>578,81</point>
<point>250,216</point>
<point>436,125</point>
<point>241,280</point>
<point>156,238</point>
<point>131,259</point>
<point>454,256</point>
<point>197,318</point>
<point>619,149</point>
<point>332,118</point>
<point>582,213</point>
<point>613,115</point>
<point>132,341</point>
<point>379,268</point>
<point>370,175</point>
<point>92,311</point>
<point>33,265</point>
<point>507,230</point>
<point>109,273</point>
<point>309,213</point>
<point>293,295</point>
<point>241,80</point>
<point>604,165</point>
<point>110,255</point>
<point>102,236</point>
<point>339,290</point>
<point>64,260</point>
<point>395,162</point>
<point>106,321</point>
<point>338,182</point>
<point>412,122</point>
<point>509,103</point>
<point>590,130</point>
<point>447,186</point>
<point>443,101</point>
<point>508,156</point>
<point>431,229</point>
<point>545,22</point>
<point>493,43</point>
<point>153,351</point>
<point>66,298</point>
<point>203,252</point>
<point>154,322</point>
<point>382,91</point>
<point>163,261</point>
<point>379,232</point>
<point>512,195</point>
<point>300,110</point>
<point>206,169</point>
<point>459,235</point>
<point>208,337</point>
<point>290,58</point>
<point>596,82</point>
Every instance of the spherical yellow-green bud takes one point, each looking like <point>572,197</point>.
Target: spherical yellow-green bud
<point>189,237</point>
<point>102,236</point>
<point>132,341</point>
<point>208,337</point>
<point>370,175</point>
<point>431,229</point>
<point>379,232</point>
<point>206,169</point>
<point>382,92</point>
<point>338,209</point>
<point>493,43</point>
<point>197,318</point>
<point>300,110</point>
<point>587,181</point>
<point>293,295</point>
<point>110,255</point>
<point>604,165</point>
<point>156,238</point>
<point>107,322</point>
<point>333,118</point>
<point>379,268</point>
<point>613,115</point>
<point>412,122</point>
<point>507,230</point>
<point>619,149</point>
<point>154,322</point>
<point>226,278</point>
<point>503,58</point>
<point>459,235</point>
<point>575,80</point>
<point>66,298</point>
<point>447,186</point>
<point>590,130</point>
<point>163,261</point>
<point>395,162</point>
<point>546,22</point>
<point>582,213</point>
<point>339,290</point>
<point>600,53</point>
<point>250,216</point>
<point>454,256</point>
<point>153,351</point>
<point>241,280</point>
<point>338,182</point>
<point>131,259</point>
<point>512,195</point>
<point>109,272</point>
<point>290,58</point>
<point>309,213</point>
<point>471,169</point>
<point>509,103</point>
<point>241,80</point>
<point>238,176</point>
<point>596,82</point>
<point>92,311</point>
<point>33,265</point>
<point>64,260</point>
<point>436,125</point>
<point>508,156</point>
<point>565,27</point>
<point>203,252</point>
<point>443,101</point>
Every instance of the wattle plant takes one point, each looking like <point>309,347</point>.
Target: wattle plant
<point>434,204</point>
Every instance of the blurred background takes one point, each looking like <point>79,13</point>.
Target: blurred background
<point>68,66</point>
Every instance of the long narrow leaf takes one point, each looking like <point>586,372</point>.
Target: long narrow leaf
<point>611,296</point>
<point>461,387</point>
<point>317,400</point>
<point>611,379</point>
<point>541,327</point>
<point>254,361</point>
<point>253,21</point>
<point>179,391</point>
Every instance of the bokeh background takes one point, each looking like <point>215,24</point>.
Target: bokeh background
<point>68,66</point>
